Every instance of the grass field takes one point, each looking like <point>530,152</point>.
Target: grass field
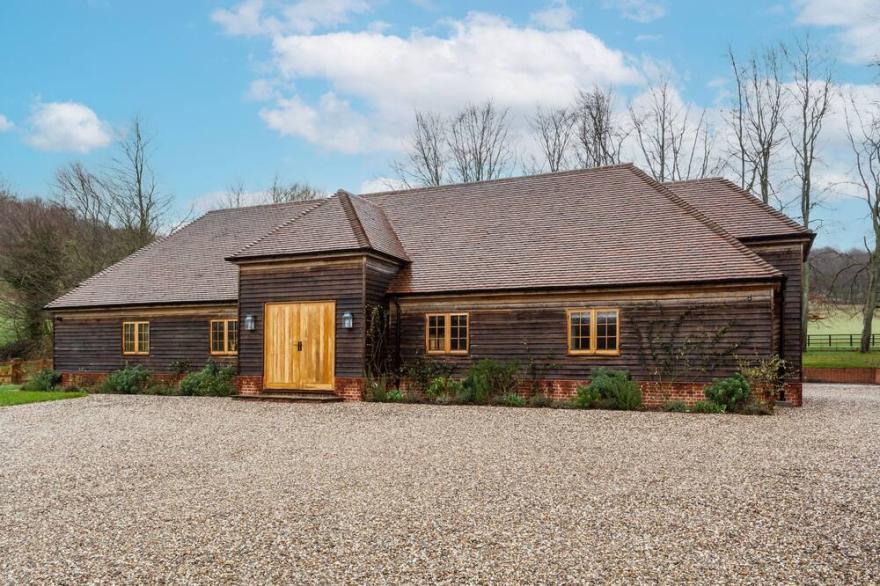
<point>13,395</point>
<point>847,320</point>
<point>841,359</point>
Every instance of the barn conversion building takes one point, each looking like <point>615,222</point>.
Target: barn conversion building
<point>677,283</point>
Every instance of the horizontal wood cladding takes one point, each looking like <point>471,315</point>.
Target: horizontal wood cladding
<point>378,275</point>
<point>94,344</point>
<point>339,282</point>
<point>717,329</point>
<point>788,258</point>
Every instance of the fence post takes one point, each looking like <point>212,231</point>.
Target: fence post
<point>15,371</point>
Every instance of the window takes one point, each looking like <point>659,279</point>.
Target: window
<point>224,336</point>
<point>446,333</point>
<point>135,337</point>
<point>594,331</point>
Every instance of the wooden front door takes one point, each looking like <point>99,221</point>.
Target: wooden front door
<point>299,345</point>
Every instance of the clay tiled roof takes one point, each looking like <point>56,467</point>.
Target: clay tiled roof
<point>339,223</point>
<point>612,226</point>
<point>186,267</point>
<point>586,228</point>
<point>739,212</point>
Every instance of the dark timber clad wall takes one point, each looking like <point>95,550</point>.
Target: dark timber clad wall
<point>95,345</point>
<point>341,283</point>
<point>788,258</point>
<point>516,333</point>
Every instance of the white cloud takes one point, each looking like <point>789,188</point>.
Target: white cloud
<point>556,16</point>
<point>647,38</point>
<point>389,76</point>
<point>378,184</point>
<point>67,126</point>
<point>253,17</point>
<point>5,123</point>
<point>858,21</point>
<point>243,20</point>
<point>637,10</point>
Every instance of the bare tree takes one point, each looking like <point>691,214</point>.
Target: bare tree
<point>756,118</point>
<point>478,143</point>
<point>234,196</point>
<point>673,147</point>
<point>140,208</point>
<point>599,137</point>
<point>864,136</point>
<point>810,94</point>
<point>554,130</point>
<point>427,158</point>
<point>280,192</point>
<point>96,244</point>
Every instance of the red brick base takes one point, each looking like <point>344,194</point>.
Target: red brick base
<point>350,388</point>
<point>853,376</point>
<point>249,385</point>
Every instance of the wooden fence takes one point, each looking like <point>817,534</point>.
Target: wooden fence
<point>16,371</point>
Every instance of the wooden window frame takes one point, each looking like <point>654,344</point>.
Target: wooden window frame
<point>137,338</point>
<point>447,334</point>
<point>594,328</point>
<point>226,351</point>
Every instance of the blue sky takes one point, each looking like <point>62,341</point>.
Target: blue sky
<point>323,91</point>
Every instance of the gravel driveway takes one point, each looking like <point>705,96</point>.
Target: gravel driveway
<point>182,490</point>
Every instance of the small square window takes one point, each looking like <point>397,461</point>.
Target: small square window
<point>446,333</point>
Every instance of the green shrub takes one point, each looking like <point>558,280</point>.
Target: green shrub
<point>181,367</point>
<point>212,381</point>
<point>158,387</point>
<point>42,380</point>
<point>707,407</point>
<point>732,392</point>
<point>377,389</point>
<point>766,378</point>
<point>540,400</point>
<point>489,379</point>
<point>512,400</point>
<point>394,396</point>
<point>443,388</point>
<point>129,380</point>
<point>421,371</point>
<point>612,389</point>
<point>675,407</point>
<point>587,397</point>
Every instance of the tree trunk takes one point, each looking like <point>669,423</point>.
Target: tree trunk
<point>805,305</point>
<point>870,305</point>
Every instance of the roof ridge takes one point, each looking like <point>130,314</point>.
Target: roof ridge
<point>381,211</point>
<point>766,207</point>
<point>284,224</point>
<point>266,205</point>
<point>430,188</point>
<point>354,220</point>
<point>745,194</point>
<point>709,222</point>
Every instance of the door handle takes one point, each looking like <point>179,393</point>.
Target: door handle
<point>299,346</point>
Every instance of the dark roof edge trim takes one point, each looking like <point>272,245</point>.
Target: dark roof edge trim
<point>363,250</point>
<point>233,301</point>
<point>642,285</point>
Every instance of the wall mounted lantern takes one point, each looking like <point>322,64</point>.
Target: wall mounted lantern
<point>347,320</point>
<point>249,323</point>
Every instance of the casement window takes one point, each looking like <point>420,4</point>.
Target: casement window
<point>135,337</point>
<point>446,333</point>
<point>593,331</point>
<point>224,336</point>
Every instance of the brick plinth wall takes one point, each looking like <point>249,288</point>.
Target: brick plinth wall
<point>249,385</point>
<point>853,376</point>
<point>350,388</point>
<point>90,379</point>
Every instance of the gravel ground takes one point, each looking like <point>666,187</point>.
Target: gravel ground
<point>113,489</point>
